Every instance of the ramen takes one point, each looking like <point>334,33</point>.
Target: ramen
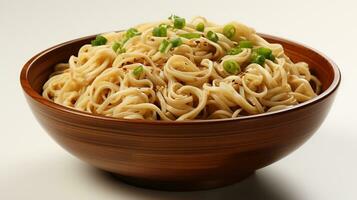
<point>179,70</point>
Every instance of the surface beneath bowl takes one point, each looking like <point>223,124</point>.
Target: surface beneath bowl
<point>184,185</point>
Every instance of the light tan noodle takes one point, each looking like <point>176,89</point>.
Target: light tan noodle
<point>185,83</point>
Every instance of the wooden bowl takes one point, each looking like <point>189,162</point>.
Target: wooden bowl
<point>187,155</point>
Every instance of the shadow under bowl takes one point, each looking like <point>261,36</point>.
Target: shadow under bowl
<point>187,155</point>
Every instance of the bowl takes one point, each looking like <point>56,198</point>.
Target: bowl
<point>185,155</point>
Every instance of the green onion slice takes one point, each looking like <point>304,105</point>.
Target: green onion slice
<point>165,46</point>
<point>176,42</point>
<point>99,40</point>
<point>245,44</point>
<point>229,30</point>
<point>234,51</point>
<point>138,70</point>
<point>160,31</point>
<point>131,32</point>
<point>179,22</point>
<point>212,36</point>
<point>266,52</point>
<point>200,27</point>
<point>257,58</point>
<point>190,35</point>
<point>231,66</point>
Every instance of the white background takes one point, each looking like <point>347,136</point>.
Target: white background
<point>33,166</point>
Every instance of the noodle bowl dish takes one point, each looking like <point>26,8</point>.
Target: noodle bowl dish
<point>178,104</point>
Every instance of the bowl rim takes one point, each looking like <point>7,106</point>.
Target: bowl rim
<point>41,100</point>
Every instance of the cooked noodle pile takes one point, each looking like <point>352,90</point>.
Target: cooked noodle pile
<point>175,70</point>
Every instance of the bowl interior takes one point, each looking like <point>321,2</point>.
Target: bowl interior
<point>41,66</point>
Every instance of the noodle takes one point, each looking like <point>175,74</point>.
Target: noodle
<point>173,70</point>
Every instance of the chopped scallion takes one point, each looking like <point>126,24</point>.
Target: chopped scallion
<point>176,42</point>
<point>234,51</point>
<point>200,27</point>
<point>138,70</point>
<point>165,46</point>
<point>160,31</point>
<point>257,58</point>
<point>231,66</point>
<point>131,32</point>
<point>245,44</point>
<point>190,35</point>
<point>116,46</point>
<point>179,22</point>
<point>212,36</point>
<point>266,52</point>
<point>229,30</point>
<point>99,40</point>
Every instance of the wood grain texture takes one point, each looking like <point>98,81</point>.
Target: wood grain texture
<point>186,155</point>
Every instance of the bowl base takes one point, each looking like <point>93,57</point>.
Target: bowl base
<point>183,185</point>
